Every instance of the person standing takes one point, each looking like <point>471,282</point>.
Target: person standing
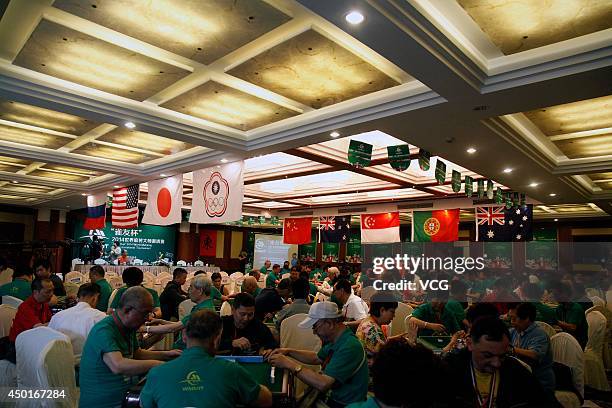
<point>173,295</point>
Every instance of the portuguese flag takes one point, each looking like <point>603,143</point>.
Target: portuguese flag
<point>435,226</point>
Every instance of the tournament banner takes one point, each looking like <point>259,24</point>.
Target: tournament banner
<point>499,196</point>
<point>469,186</point>
<point>424,158</point>
<point>489,189</point>
<point>399,157</point>
<point>480,188</point>
<point>359,153</point>
<point>440,171</point>
<point>456,181</point>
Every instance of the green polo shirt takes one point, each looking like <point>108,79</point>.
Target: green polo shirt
<point>257,291</point>
<point>545,313</point>
<point>105,292</point>
<point>313,289</point>
<point>263,270</point>
<point>426,313</point>
<point>573,313</point>
<point>457,310</point>
<point>348,366</point>
<point>271,280</point>
<point>122,289</point>
<point>196,379</point>
<point>215,294</point>
<point>99,386</point>
<point>207,304</point>
<point>19,288</point>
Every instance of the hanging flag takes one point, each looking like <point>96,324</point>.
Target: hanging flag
<point>380,228</point>
<point>359,154</point>
<point>261,220</point>
<point>480,188</point>
<point>399,157</point>
<point>516,200</point>
<point>469,186</point>
<point>125,207</point>
<point>96,212</point>
<point>499,196</point>
<point>440,171</point>
<point>250,221</point>
<point>297,230</point>
<point>208,243</point>
<point>164,201</point>
<point>489,189</point>
<point>274,220</point>
<point>456,181</point>
<point>435,226</point>
<point>424,157</point>
<point>508,200</point>
<point>522,198</point>
<point>217,194</point>
<point>504,224</point>
<point>334,228</point>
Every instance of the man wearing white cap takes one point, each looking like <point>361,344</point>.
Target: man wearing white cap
<point>344,369</point>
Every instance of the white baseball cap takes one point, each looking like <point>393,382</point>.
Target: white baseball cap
<point>318,311</point>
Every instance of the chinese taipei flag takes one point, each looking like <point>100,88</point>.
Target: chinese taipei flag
<point>217,194</point>
<point>164,201</point>
<point>380,228</point>
<point>435,226</point>
<point>96,211</point>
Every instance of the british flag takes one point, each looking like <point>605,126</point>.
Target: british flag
<point>334,228</point>
<point>490,215</point>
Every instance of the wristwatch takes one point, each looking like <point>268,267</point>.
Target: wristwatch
<point>297,369</point>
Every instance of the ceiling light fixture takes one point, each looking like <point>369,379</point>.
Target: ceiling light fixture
<point>556,219</point>
<point>334,134</point>
<point>533,185</point>
<point>223,160</point>
<point>553,194</point>
<point>508,170</point>
<point>471,150</point>
<point>84,194</point>
<point>130,125</point>
<point>354,17</point>
<point>15,182</point>
<point>163,175</point>
<point>116,186</point>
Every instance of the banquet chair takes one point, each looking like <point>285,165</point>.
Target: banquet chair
<point>6,276</point>
<point>367,293</point>
<point>198,263</point>
<point>115,281</point>
<point>600,305</point>
<point>71,289</point>
<point>609,300</point>
<point>262,280</point>
<point>181,263</point>
<point>42,354</point>
<point>11,301</point>
<point>397,325</point>
<point>226,309</point>
<point>187,283</point>
<point>292,336</point>
<point>100,261</point>
<point>184,308</point>
<point>75,277</point>
<point>547,328</point>
<point>567,351</point>
<point>7,314</point>
<point>594,371</point>
<point>236,280</point>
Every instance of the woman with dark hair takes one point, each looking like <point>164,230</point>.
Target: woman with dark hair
<point>369,332</point>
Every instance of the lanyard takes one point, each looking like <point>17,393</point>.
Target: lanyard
<point>327,359</point>
<point>125,336</point>
<point>482,402</point>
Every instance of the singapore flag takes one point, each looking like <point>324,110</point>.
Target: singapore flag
<point>380,228</point>
<point>217,194</point>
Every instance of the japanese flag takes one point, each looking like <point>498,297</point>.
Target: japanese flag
<point>164,201</point>
<point>217,194</point>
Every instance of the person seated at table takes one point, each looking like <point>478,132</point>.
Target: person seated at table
<point>294,274</point>
<point>31,313</point>
<point>76,322</point>
<point>483,375</point>
<point>219,293</point>
<point>173,294</point>
<point>533,292</point>
<point>123,259</point>
<point>112,359</point>
<point>473,312</point>
<point>96,275</point>
<point>312,287</point>
<point>266,266</point>
<point>115,251</point>
<point>243,333</point>
<point>256,274</point>
<point>455,303</point>
<point>344,367</point>
<point>434,316</point>
<point>369,332</point>
<point>250,286</point>
<point>299,291</point>
<point>286,268</point>
<point>502,295</point>
<point>581,297</point>
<point>273,277</point>
<point>531,344</point>
<point>570,315</point>
<point>197,378</point>
<point>332,277</point>
<point>21,286</point>
<point>42,270</point>
<point>271,300</point>
<point>354,308</point>
<point>132,277</point>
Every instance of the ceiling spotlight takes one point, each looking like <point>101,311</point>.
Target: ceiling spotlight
<point>556,219</point>
<point>508,170</point>
<point>471,150</point>
<point>84,194</point>
<point>116,186</point>
<point>533,185</point>
<point>354,17</point>
<point>163,175</point>
<point>15,182</point>
<point>553,194</point>
<point>130,125</point>
<point>223,160</point>
<point>334,134</point>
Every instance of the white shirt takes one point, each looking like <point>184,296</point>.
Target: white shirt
<point>355,308</point>
<point>76,322</point>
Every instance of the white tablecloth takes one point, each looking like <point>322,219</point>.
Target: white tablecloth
<point>155,270</point>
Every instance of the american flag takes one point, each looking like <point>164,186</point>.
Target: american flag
<point>490,215</point>
<point>125,207</point>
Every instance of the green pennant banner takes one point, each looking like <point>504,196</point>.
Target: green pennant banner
<point>359,154</point>
<point>516,200</point>
<point>424,157</point>
<point>489,189</point>
<point>499,196</point>
<point>456,181</point>
<point>523,199</point>
<point>469,186</point>
<point>399,157</point>
<point>508,200</point>
<point>250,221</point>
<point>262,220</point>
<point>274,220</point>
<point>440,171</point>
<point>480,188</point>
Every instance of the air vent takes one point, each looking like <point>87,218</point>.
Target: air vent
<point>415,205</point>
<point>298,213</point>
<point>352,210</point>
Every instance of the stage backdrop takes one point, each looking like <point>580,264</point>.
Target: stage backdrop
<point>144,242</point>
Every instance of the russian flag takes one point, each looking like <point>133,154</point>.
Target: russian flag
<point>96,211</point>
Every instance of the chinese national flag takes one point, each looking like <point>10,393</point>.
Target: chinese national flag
<point>208,243</point>
<point>297,230</point>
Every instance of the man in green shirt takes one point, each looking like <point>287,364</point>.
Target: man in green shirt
<point>273,277</point>
<point>196,378</point>
<point>266,267</point>
<point>20,287</point>
<point>112,360</point>
<point>544,313</point>
<point>133,276</point>
<point>344,367</point>
<point>249,285</point>
<point>96,275</point>
<point>436,315</point>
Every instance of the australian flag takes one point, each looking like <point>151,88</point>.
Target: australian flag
<point>334,228</point>
<point>504,224</point>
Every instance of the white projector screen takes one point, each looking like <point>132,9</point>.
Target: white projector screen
<point>271,247</point>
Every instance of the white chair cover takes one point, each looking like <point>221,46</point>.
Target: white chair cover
<point>6,276</point>
<point>187,283</point>
<point>71,289</point>
<point>115,281</point>
<point>594,371</point>
<point>75,277</point>
<point>184,308</point>
<point>226,309</point>
<point>262,280</point>
<point>42,354</point>
<point>566,350</point>
<point>224,278</point>
<point>100,261</point>
<point>75,261</point>
<point>181,263</point>
<point>397,325</point>
<point>198,263</point>
<point>547,328</point>
<point>11,301</point>
<point>609,300</point>
<point>7,314</point>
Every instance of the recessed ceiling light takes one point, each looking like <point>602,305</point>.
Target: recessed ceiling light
<point>556,219</point>
<point>130,125</point>
<point>163,175</point>
<point>533,185</point>
<point>84,194</point>
<point>552,194</point>
<point>116,186</point>
<point>354,17</point>
<point>334,134</point>
<point>223,160</point>
<point>508,170</point>
<point>471,150</point>
<point>15,182</point>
